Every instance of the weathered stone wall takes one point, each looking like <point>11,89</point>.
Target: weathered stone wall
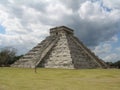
<point>80,58</point>
<point>59,56</point>
<point>68,54</point>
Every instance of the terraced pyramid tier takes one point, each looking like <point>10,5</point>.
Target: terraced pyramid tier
<point>60,50</point>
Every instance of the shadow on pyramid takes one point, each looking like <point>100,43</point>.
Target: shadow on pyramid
<point>60,50</point>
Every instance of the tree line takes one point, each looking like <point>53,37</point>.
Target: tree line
<point>8,56</point>
<point>114,64</point>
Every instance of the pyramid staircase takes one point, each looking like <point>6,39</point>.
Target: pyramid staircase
<point>60,50</point>
<point>34,56</point>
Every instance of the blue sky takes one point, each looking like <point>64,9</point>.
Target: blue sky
<point>24,23</point>
<point>2,29</point>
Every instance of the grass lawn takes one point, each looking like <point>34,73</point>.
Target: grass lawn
<point>59,79</point>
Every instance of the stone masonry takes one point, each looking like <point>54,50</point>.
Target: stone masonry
<point>60,50</point>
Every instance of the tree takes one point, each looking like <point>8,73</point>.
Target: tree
<point>7,56</point>
<point>117,64</point>
<point>114,64</point>
<point>110,64</point>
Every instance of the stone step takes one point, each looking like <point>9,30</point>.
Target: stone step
<point>26,60</point>
<point>45,41</point>
<point>38,46</point>
<point>31,53</point>
<point>34,50</point>
<point>91,53</point>
<point>27,57</point>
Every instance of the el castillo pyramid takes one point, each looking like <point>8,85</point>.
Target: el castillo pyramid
<point>60,50</point>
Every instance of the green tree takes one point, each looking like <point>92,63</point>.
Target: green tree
<point>7,56</point>
<point>114,64</point>
<point>117,64</point>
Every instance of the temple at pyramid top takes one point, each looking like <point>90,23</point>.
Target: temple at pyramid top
<point>61,30</point>
<point>60,50</point>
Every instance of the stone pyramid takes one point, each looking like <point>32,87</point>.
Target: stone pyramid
<point>60,50</point>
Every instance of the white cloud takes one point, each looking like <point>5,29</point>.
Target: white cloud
<point>112,57</point>
<point>103,49</point>
<point>114,39</point>
<point>3,14</point>
<point>89,10</point>
<point>57,11</point>
<point>112,3</point>
<point>23,27</point>
<point>118,49</point>
<point>95,11</point>
<point>107,50</point>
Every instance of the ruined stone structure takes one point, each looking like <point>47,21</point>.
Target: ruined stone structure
<point>60,50</point>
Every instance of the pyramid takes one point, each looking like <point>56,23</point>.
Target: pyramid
<point>60,50</point>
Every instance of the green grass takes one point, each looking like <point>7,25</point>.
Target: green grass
<point>59,79</point>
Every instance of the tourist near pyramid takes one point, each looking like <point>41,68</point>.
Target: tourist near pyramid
<point>60,50</point>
